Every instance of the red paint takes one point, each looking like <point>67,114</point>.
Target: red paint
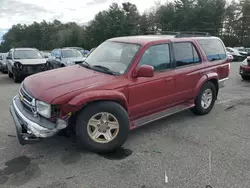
<point>75,86</point>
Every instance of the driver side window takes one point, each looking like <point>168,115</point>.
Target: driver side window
<point>157,56</point>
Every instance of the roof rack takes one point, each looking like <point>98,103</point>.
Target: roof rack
<point>179,34</point>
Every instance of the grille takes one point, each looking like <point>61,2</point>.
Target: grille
<point>35,68</point>
<point>27,100</point>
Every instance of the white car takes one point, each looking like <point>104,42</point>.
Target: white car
<point>22,62</point>
<point>237,55</point>
<point>230,56</point>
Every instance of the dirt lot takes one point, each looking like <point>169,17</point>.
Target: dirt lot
<point>193,151</point>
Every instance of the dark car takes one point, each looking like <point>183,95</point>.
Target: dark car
<point>245,69</point>
<point>128,82</point>
<point>3,63</point>
<point>63,57</point>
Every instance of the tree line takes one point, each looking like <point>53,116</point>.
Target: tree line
<point>228,20</point>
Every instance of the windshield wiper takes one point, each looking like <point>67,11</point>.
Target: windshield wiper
<point>105,69</point>
<point>86,65</point>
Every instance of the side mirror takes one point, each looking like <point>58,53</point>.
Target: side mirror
<point>144,71</point>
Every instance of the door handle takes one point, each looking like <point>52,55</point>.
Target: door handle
<point>168,79</point>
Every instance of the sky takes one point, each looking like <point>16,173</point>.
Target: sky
<point>80,11</point>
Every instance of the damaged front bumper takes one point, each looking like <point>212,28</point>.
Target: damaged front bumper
<point>30,129</point>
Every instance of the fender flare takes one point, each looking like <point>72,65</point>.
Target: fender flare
<point>204,79</point>
<point>99,95</point>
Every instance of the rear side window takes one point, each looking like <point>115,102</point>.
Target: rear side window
<point>185,54</point>
<point>213,48</point>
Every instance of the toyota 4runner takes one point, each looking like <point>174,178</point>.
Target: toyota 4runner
<point>124,83</point>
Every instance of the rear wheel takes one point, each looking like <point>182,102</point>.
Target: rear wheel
<point>204,102</point>
<point>102,126</point>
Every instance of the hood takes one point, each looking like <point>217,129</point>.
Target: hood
<point>48,85</point>
<point>31,61</point>
<point>74,59</point>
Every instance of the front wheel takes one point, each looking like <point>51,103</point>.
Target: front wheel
<point>16,78</point>
<point>205,100</point>
<point>102,126</point>
<point>245,77</point>
<point>10,74</point>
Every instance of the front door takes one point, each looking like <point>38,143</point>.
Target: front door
<point>148,95</point>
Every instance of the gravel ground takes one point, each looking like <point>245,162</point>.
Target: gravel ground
<point>192,151</point>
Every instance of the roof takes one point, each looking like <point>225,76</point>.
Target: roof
<point>24,49</point>
<point>143,39</point>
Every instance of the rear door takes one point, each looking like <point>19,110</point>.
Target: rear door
<point>217,62</point>
<point>188,70</point>
<point>148,95</point>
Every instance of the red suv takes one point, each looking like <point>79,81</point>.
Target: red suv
<point>124,83</point>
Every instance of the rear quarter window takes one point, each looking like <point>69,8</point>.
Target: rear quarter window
<point>213,48</point>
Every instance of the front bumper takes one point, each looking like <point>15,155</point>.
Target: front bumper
<point>27,70</point>
<point>244,70</point>
<point>30,129</point>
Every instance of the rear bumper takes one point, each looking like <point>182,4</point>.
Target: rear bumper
<point>28,130</point>
<point>244,70</point>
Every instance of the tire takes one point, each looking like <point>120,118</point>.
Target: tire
<point>16,78</point>
<point>199,108</point>
<point>10,74</point>
<point>245,77</point>
<point>83,130</point>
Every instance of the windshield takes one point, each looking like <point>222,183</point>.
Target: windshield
<point>115,56</point>
<point>27,54</point>
<point>71,53</point>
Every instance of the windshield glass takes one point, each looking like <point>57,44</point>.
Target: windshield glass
<point>115,56</point>
<point>27,54</point>
<point>71,53</point>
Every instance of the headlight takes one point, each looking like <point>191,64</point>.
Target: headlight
<point>70,63</point>
<point>244,62</point>
<point>43,109</point>
<point>18,64</point>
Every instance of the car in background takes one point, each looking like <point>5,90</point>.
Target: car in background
<point>245,69</point>
<point>3,65</point>
<point>245,51</point>
<point>122,86</point>
<point>63,57</point>
<point>22,62</point>
<point>230,56</point>
<point>237,55</point>
<point>46,54</point>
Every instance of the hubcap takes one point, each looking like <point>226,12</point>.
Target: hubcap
<point>103,127</point>
<point>207,98</point>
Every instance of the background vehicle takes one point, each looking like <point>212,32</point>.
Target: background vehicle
<point>3,65</point>
<point>22,62</point>
<point>63,57</point>
<point>123,86</point>
<point>245,69</point>
<point>84,52</point>
<point>46,54</point>
<point>238,56</point>
<point>230,56</point>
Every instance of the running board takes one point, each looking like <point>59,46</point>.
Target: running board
<point>162,114</point>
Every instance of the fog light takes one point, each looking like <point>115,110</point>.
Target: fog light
<point>61,124</point>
